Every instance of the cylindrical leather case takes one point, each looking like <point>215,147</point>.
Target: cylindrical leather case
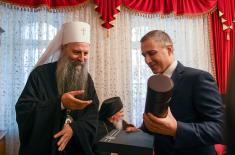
<point>159,94</point>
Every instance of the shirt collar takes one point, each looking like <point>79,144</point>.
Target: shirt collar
<point>169,71</point>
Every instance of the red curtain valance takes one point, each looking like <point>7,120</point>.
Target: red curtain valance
<point>48,3</point>
<point>178,7</point>
<point>108,8</point>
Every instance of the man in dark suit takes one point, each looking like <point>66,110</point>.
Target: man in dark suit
<point>195,116</point>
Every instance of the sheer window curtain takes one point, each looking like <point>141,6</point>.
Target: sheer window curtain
<point>191,47</point>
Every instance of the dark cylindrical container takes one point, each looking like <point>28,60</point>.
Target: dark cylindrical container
<point>159,94</point>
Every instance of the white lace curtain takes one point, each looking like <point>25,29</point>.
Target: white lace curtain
<point>115,63</point>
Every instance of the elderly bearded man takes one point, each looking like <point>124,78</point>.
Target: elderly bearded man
<point>57,111</point>
<point>111,117</point>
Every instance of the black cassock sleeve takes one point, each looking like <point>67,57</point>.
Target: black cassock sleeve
<point>37,111</point>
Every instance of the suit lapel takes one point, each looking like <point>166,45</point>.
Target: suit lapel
<point>177,76</point>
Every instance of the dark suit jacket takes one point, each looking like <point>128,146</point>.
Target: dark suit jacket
<point>198,109</point>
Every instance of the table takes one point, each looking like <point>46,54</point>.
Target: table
<point>118,141</point>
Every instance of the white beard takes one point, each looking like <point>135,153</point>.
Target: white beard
<point>118,124</point>
<point>71,75</point>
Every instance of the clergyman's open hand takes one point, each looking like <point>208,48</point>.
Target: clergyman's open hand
<point>71,102</point>
<point>65,135</point>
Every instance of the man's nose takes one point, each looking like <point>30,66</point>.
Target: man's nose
<point>122,115</point>
<point>148,59</point>
<point>81,57</point>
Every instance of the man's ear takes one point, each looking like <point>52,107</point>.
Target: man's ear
<point>114,117</point>
<point>170,49</point>
<point>111,118</point>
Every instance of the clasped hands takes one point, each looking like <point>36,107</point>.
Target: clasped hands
<point>70,101</point>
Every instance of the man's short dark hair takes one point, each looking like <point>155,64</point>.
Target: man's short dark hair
<point>158,36</point>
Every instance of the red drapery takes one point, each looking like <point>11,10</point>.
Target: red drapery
<point>178,7</point>
<point>222,39</point>
<point>48,3</point>
<point>108,9</point>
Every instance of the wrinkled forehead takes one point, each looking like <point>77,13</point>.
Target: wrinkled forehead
<point>77,45</point>
<point>75,48</point>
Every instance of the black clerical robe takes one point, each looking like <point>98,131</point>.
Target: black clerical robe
<point>39,116</point>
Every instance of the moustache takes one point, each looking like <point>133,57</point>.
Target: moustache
<point>77,63</point>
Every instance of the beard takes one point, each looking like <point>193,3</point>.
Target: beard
<point>118,124</point>
<point>71,75</point>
